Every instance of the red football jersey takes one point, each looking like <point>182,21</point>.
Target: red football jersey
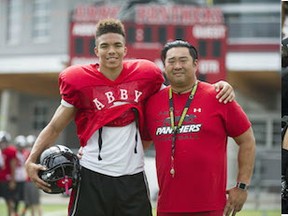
<point>200,161</point>
<point>8,154</point>
<point>101,101</point>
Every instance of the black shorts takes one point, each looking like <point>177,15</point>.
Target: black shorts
<point>6,192</point>
<point>19,193</point>
<point>102,195</point>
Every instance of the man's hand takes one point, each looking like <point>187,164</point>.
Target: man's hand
<point>235,201</point>
<point>32,171</point>
<point>80,153</point>
<point>12,185</point>
<point>225,92</point>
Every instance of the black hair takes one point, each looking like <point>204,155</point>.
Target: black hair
<point>179,43</point>
<point>109,25</point>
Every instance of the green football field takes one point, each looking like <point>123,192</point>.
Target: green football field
<point>60,210</point>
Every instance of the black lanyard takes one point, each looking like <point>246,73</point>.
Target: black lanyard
<point>175,129</point>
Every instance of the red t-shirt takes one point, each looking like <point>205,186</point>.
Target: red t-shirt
<point>200,161</point>
<point>101,101</point>
<point>8,154</point>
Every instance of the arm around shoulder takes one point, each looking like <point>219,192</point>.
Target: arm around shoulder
<point>225,91</point>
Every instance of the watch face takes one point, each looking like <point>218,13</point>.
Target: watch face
<point>242,186</point>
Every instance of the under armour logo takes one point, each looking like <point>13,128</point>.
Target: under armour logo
<point>197,110</point>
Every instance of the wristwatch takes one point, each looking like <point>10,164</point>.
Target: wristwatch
<point>242,186</point>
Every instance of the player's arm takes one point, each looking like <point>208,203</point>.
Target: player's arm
<point>225,91</point>
<point>146,144</point>
<point>246,158</point>
<point>61,118</point>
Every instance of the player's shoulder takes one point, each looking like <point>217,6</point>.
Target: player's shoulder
<point>162,93</point>
<point>75,73</point>
<point>142,63</point>
<point>76,69</point>
<point>144,70</point>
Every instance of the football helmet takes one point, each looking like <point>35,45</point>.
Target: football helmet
<point>20,141</point>
<point>5,137</point>
<point>63,169</point>
<point>30,140</point>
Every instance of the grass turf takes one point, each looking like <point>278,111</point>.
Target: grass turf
<point>47,209</point>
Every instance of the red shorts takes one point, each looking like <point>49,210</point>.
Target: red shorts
<point>207,213</point>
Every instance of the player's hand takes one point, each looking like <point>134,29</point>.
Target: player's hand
<point>225,92</point>
<point>12,185</point>
<point>80,153</point>
<point>235,201</point>
<point>32,170</point>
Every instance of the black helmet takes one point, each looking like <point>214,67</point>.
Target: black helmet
<point>63,168</point>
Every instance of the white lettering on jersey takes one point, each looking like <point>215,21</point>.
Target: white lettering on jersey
<point>98,104</point>
<point>110,97</point>
<point>184,129</point>
<point>123,94</point>
<point>137,95</point>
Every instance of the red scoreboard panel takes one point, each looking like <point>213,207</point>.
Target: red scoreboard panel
<point>149,26</point>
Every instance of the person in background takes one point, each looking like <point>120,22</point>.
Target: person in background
<point>190,128</point>
<point>106,101</point>
<point>32,200</point>
<point>7,171</point>
<point>20,172</point>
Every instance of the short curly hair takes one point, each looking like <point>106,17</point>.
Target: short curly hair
<point>109,26</point>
